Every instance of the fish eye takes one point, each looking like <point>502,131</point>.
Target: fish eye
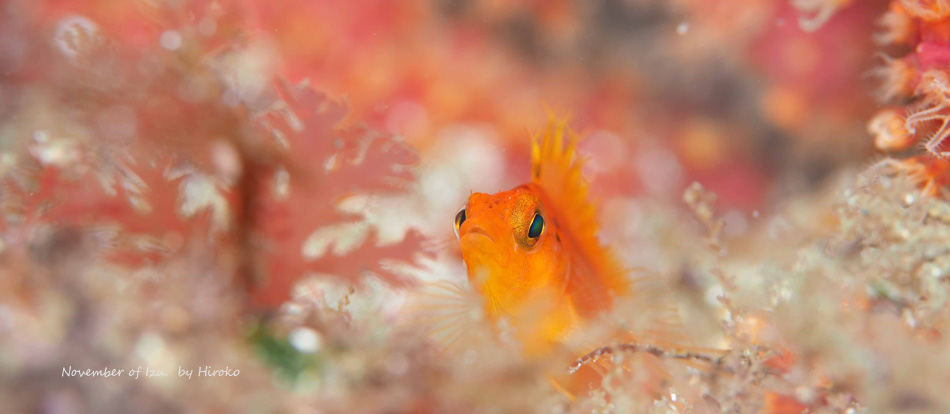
<point>459,219</point>
<point>537,226</point>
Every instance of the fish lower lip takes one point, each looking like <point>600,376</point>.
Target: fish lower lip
<point>477,245</point>
<point>476,237</point>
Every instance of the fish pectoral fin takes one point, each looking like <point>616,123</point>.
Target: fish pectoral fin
<point>561,388</point>
<point>450,315</point>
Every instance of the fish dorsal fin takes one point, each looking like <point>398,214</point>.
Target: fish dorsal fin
<point>556,171</point>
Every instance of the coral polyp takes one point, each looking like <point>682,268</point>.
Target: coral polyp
<point>898,78</point>
<point>928,10</point>
<point>898,27</point>
<point>919,82</point>
<point>931,108</point>
<point>890,130</point>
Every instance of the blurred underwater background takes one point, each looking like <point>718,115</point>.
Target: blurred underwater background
<point>267,187</point>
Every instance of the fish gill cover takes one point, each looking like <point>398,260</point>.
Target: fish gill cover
<point>247,206</point>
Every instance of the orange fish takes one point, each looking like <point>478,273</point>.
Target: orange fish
<point>532,252</point>
<point>534,259</point>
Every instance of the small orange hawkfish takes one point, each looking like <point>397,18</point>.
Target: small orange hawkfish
<point>534,259</point>
<point>532,252</point>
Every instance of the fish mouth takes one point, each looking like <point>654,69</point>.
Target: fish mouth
<point>480,249</point>
<point>473,230</point>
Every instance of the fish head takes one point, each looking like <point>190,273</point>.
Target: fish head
<point>510,247</point>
